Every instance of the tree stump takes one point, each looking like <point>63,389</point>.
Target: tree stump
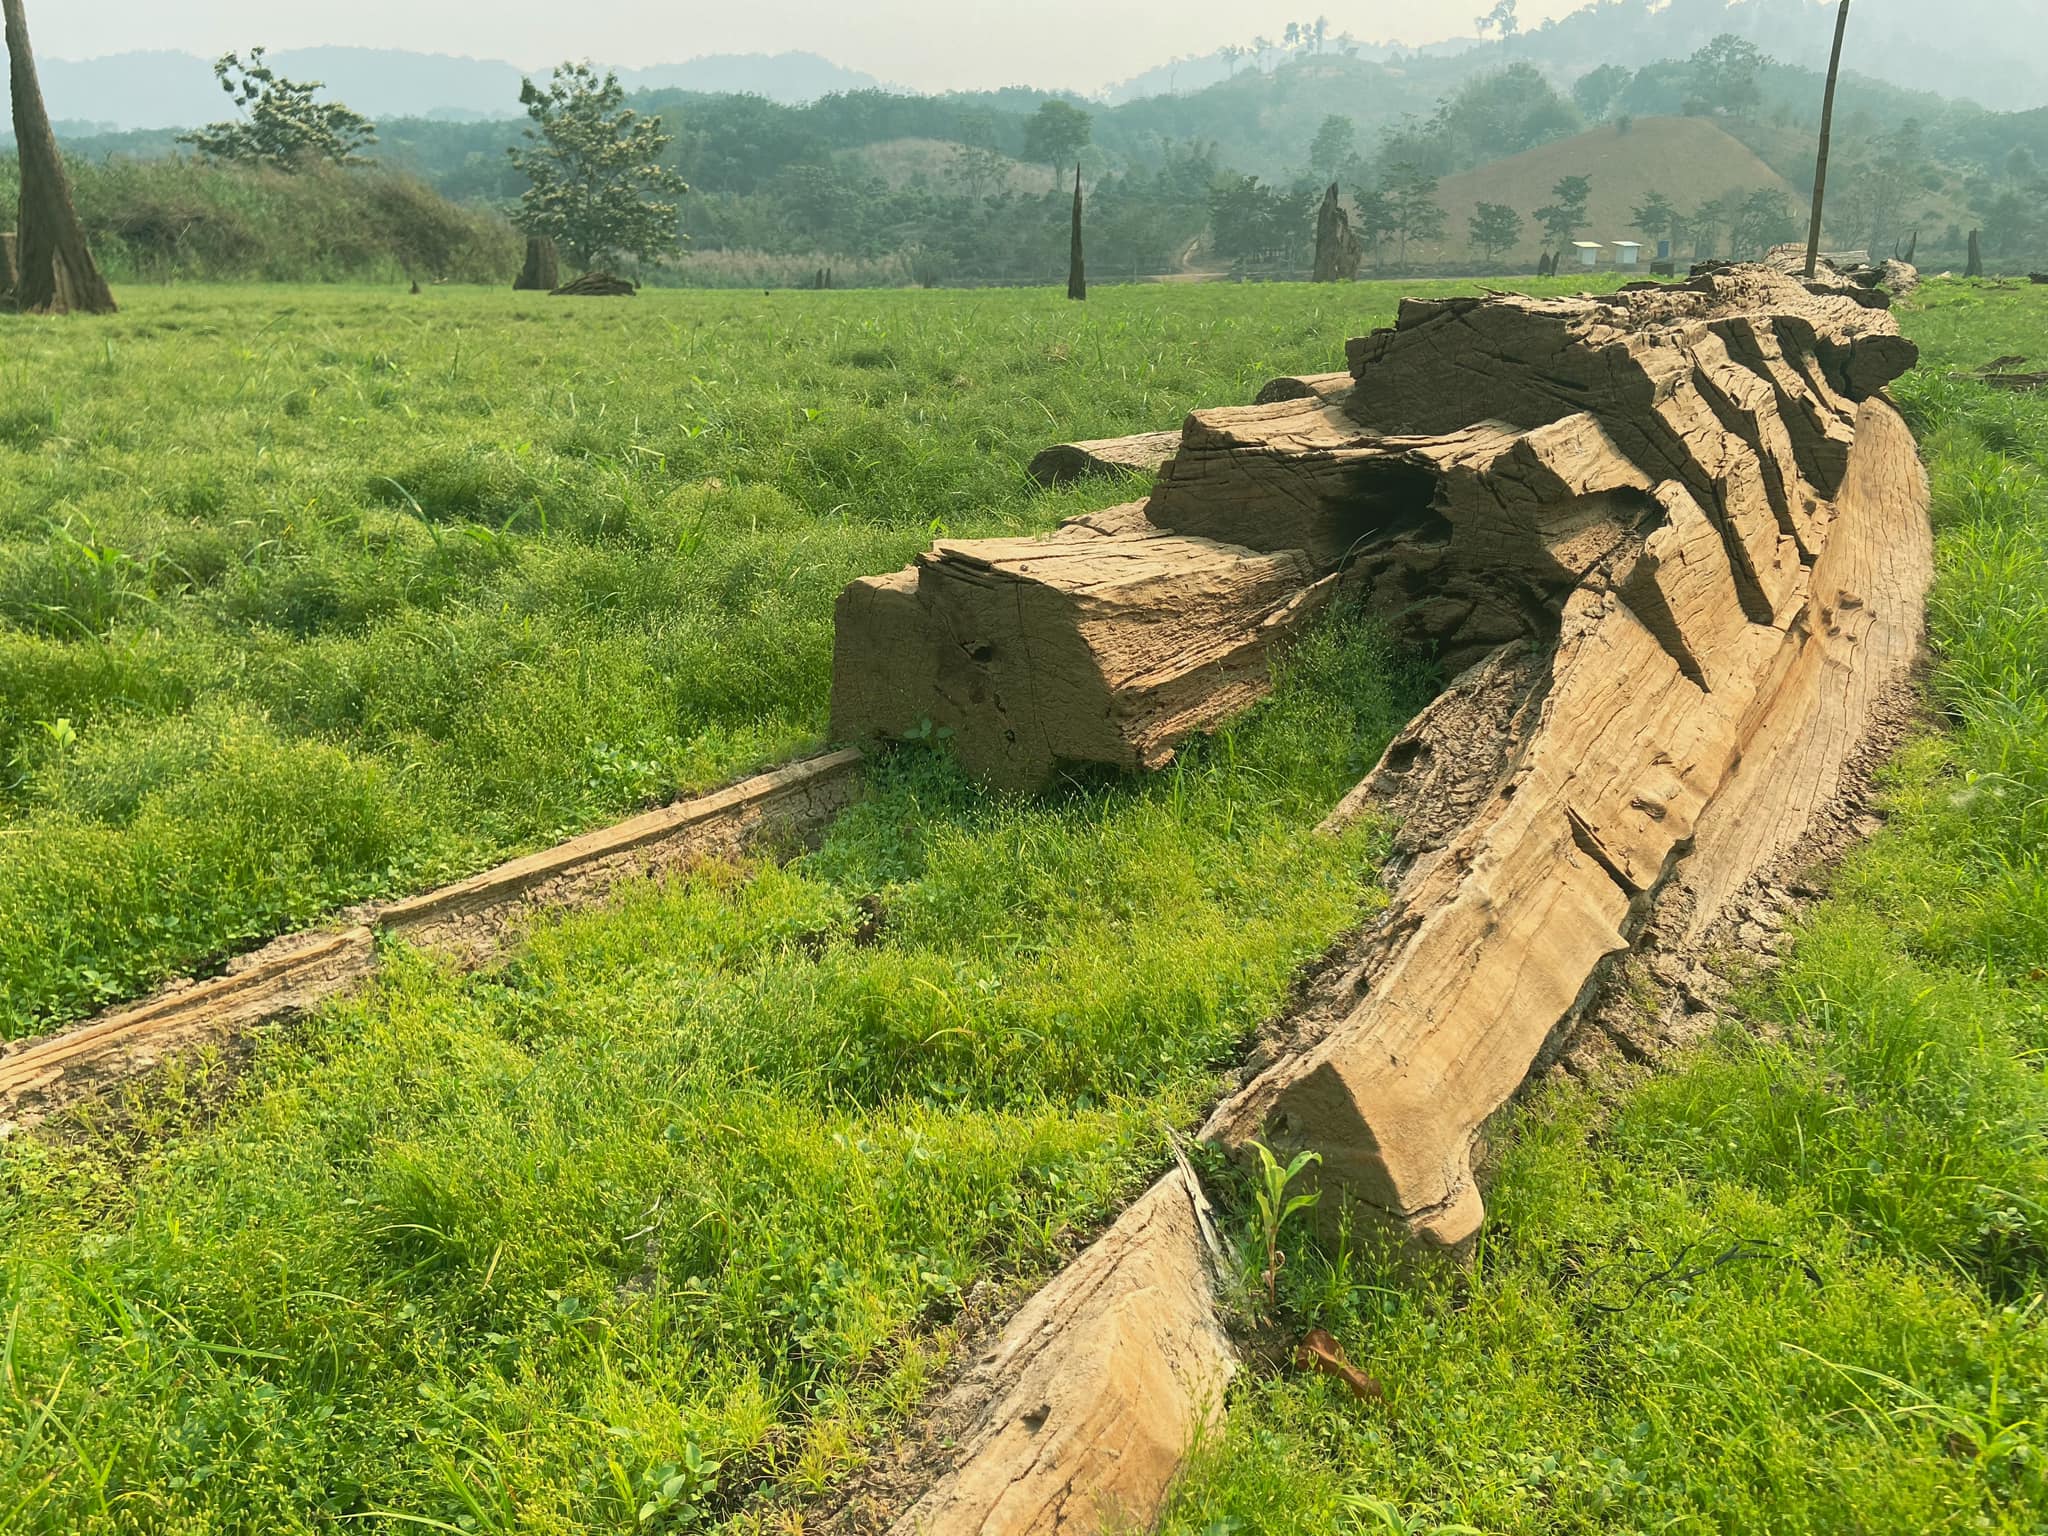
<point>542,272</point>
<point>1975,266</point>
<point>1337,249</point>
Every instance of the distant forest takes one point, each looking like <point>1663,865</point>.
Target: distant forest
<point>872,187</point>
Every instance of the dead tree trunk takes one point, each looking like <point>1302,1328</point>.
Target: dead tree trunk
<point>1679,541</point>
<point>543,270</point>
<point>1827,128</point>
<point>1337,252</point>
<point>8,270</point>
<point>1077,271</point>
<point>56,270</point>
<point>1975,268</point>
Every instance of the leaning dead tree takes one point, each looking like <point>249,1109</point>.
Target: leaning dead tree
<point>1673,545</point>
<point>1077,271</point>
<point>1827,129</point>
<point>55,270</point>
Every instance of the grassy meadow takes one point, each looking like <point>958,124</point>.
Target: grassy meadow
<point>306,596</point>
<point>312,595</point>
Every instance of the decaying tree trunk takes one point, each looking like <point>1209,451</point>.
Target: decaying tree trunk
<point>1975,267</point>
<point>599,285</point>
<point>542,272</point>
<point>55,270</point>
<point>1678,541</point>
<point>1139,454</point>
<point>1081,1413</point>
<point>1303,386</point>
<point>1827,129</point>
<point>9,273</point>
<point>1077,271</point>
<point>1337,250</point>
<point>1110,642</point>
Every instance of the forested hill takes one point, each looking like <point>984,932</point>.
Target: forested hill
<point>889,187</point>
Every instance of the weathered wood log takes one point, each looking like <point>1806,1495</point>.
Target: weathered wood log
<point>598,285</point>
<point>542,272</point>
<point>1303,386</point>
<point>1684,542</point>
<point>1081,1413</point>
<point>1111,641</point>
<point>469,921</point>
<point>9,273</point>
<point>1140,454</point>
<point>1975,265</point>
<point>1671,722</point>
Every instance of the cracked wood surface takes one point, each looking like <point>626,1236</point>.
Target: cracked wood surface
<point>1672,724</point>
<point>1080,1414</point>
<point>1140,454</point>
<point>1112,641</point>
<point>1678,541</point>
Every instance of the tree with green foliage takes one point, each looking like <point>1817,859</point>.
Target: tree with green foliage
<point>1724,77</point>
<point>1598,90</point>
<point>1334,149</point>
<point>597,186</point>
<point>1414,213</point>
<point>1566,216</point>
<point>1658,217</point>
<point>1250,221</point>
<point>1501,20</point>
<point>1056,133</point>
<point>1763,219</point>
<point>1495,228</point>
<point>281,125</point>
<point>1372,220</point>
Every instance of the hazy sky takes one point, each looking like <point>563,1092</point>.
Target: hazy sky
<point>930,45</point>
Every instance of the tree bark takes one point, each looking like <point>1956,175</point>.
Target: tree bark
<point>57,273</point>
<point>1077,272</point>
<point>9,273</point>
<point>543,270</point>
<point>1976,263</point>
<point>1827,128</point>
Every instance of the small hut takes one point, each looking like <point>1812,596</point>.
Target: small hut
<point>1628,253</point>
<point>1589,252</point>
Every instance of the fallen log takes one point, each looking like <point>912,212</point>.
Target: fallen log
<point>1679,542</point>
<point>1110,642</point>
<point>1080,1414</point>
<point>597,285</point>
<point>469,921</point>
<point>1140,454</point>
<point>1303,386</point>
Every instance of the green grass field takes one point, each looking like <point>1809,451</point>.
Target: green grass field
<point>314,595</point>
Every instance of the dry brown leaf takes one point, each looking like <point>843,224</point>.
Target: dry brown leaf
<point>1320,1352</point>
